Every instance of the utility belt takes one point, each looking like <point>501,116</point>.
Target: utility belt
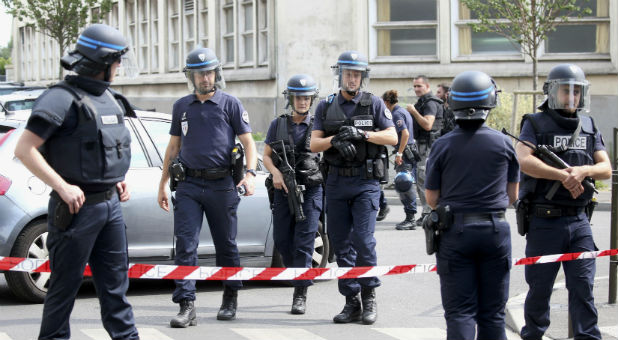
<point>209,174</point>
<point>372,169</point>
<point>411,152</point>
<point>471,218</point>
<point>547,211</point>
<point>61,217</point>
<point>524,210</point>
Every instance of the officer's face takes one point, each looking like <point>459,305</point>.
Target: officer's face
<point>302,104</point>
<point>420,87</point>
<point>204,81</point>
<point>568,97</point>
<point>113,70</point>
<point>351,80</point>
<point>440,93</point>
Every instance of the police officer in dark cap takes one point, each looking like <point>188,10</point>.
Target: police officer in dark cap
<point>558,199</point>
<point>351,127</point>
<point>79,123</point>
<point>205,124</point>
<point>290,134</point>
<point>472,176</point>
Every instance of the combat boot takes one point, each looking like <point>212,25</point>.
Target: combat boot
<point>370,307</point>
<point>228,305</point>
<point>351,311</point>
<point>408,223</point>
<point>299,301</point>
<point>383,212</point>
<point>186,316</point>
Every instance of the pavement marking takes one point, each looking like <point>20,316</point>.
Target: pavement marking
<point>4,336</point>
<point>144,333</point>
<point>276,334</point>
<point>611,330</point>
<point>413,333</point>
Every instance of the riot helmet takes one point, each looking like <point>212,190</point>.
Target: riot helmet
<point>403,181</point>
<point>97,48</point>
<point>354,61</point>
<point>199,62</point>
<point>472,95</point>
<point>567,89</point>
<point>300,85</point>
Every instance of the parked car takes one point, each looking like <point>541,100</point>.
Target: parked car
<point>18,103</point>
<point>23,207</point>
<point>10,87</point>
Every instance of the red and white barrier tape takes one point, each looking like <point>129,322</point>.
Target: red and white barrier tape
<point>149,271</point>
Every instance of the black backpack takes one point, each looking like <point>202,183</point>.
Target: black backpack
<point>448,122</point>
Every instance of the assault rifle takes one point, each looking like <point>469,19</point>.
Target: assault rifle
<point>295,191</point>
<point>548,157</point>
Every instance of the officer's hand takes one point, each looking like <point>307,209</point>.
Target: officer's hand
<point>398,160</point>
<point>350,133</point>
<point>73,196</point>
<point>411,108</point>
<point>572,184</point>
<point>345,148</point>
<point>278,182</point>
<point>248,182</point>
<point>162,199</point>
<point>123,191</point>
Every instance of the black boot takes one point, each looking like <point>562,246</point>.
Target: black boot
<point>351,311</point>
<point>419,222</point>
<point>383,212</point>
<point>186,316</point>
<point>228,305</point>
<point>408,223</point>
<point>370,307</point>
<point>299,300</point>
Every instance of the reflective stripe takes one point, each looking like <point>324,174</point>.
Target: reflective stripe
<point>301,88</point>
<point>487,90</point>
<point>351,62</point>
<point>469,99</point>
<point>203,64</point>
<point>95,43</point>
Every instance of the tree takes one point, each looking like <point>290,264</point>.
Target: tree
<point>61,20</point>
<point>527,23</point>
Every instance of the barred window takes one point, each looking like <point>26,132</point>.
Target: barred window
<point>244,33</point>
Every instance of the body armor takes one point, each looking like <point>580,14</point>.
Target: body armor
<point>421,135</point>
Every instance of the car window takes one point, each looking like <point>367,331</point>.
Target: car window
<point>159,131</point>
<point>16,105</point>
<point>138,158</point>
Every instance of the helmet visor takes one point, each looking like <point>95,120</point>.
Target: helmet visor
<point>128,64</point>
<point>569,95</point>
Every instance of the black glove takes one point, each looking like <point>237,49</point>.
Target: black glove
<point>345,148</point>
<point>350,133</point>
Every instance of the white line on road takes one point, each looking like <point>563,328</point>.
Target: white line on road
<point>276,334</point>
<point>144,333</point>
<point>413,333</point>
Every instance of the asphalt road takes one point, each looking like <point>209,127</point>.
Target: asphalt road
<point>409,305</point>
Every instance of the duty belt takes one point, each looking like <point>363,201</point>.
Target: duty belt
<point>547,210</point>
<point>471,218</point>
<point>95,198</point>
<point>212,173</point>
<point>346,172</point>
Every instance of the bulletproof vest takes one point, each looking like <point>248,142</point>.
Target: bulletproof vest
<point>550,130</point>
<point>299,155</point>
<point>98,151</point>
<point>420,134</point>
<point>334,118</point>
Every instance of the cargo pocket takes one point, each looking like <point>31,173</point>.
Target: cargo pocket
<point>116,151</point>
<point>90,163</point>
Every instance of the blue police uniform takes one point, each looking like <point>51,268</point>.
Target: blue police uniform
<point>471,169</point>
<point>77,146</point>
<point>404,121</point>
<point>563,234</point>
<point>352,199</point>
<point>207,131</point>
<point>295,240</point>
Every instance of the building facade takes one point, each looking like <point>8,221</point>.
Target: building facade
<point>261,43</point>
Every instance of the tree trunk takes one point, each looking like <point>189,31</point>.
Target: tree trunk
<point>535,81</point>
<point>61,48</point>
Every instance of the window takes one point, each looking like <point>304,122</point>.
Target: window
<point>138,157</point>
<point>406,28</point>
<point>159,132</point>
<point>154,36</point>
<point>173,35</point>
<point>244,33</point>
<point>203,23</point>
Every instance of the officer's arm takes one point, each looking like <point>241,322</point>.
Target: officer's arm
<point>387,136</point>
<point>171,152</point>
<point>432,197</point>
<point>602,168</point>
<point>250,152</point>
<point>426,122</point>
<point>405,135</point>
<point>268,163</point>
<point>320,143</point>
<point>512,190</point>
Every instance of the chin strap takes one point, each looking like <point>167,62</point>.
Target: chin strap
<point>351,93</point>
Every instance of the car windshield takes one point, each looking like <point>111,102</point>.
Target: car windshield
<point>17,105</point>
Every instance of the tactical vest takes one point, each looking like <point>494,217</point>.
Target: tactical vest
<point>299,155</point>
<point>548,131</point>
<point>98,151</point>
<point>334,118</point>
<point>421,135</point>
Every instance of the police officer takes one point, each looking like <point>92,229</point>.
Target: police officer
<point>448,124</point>
<point>79,122</point>
<point>405,165</point>
<point>351,127</point>
<point>295,239</point>
<point>204,126</point>
<point>472,176</point>
<point>427,115</point>
<point>559,224</point>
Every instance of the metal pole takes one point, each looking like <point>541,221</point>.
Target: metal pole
<point>613,241</point>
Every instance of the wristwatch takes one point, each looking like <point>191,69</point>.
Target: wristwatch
<point>251,171</point>
<point>398,154</point>
<point>365,134</point>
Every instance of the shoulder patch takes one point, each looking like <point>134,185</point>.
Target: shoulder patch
<point>245,117</point>
<point>399,123</point>
<point>388,114</point>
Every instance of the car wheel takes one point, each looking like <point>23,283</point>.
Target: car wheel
<point>321,248</point>
<point>32,243</point>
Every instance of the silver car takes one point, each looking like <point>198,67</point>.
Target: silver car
<point>23,210</point>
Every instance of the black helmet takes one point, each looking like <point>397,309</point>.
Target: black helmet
<point>97,48</point>
<point>571,77</point>
<point>300,85</point>
<point>472,95</point>
<point>203,59</point>
<point>351,60</point>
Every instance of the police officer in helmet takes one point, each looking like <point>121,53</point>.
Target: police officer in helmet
<point>204,126</point>
<point>472,176</point>
<point>351,127</point>
<point>558,222</point>
<point>295,239</point>
<point>74,122</point>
